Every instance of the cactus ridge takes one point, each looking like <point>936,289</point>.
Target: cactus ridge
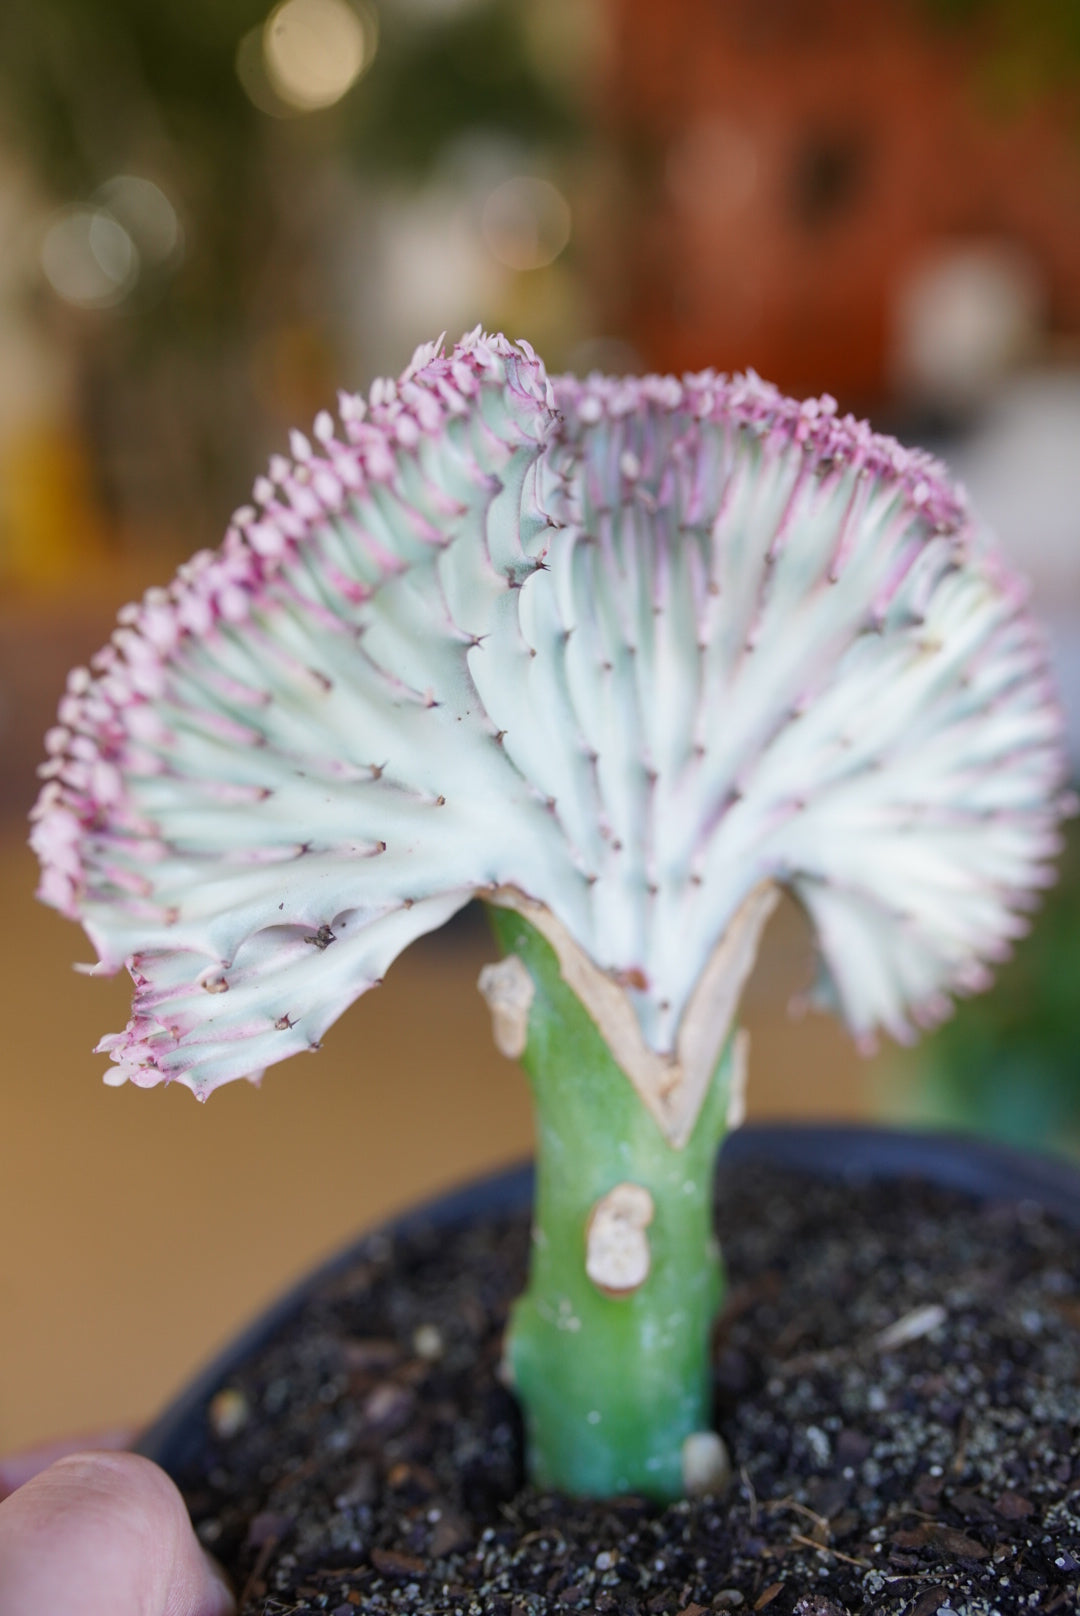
<point>630,648</point>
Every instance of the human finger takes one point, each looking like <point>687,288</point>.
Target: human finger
<point>16,1469</point>
<point>104,1534</point>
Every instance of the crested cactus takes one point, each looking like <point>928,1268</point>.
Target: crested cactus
<point>623,658</point>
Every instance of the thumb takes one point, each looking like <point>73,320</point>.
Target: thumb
<point>104,1534</point>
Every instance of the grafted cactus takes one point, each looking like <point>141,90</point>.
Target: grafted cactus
<point>622,658</point>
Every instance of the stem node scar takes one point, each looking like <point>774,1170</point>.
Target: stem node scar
<point>508,991</point>
<point>617,1255</point>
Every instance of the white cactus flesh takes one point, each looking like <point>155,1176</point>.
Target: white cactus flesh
<point>628,654</point>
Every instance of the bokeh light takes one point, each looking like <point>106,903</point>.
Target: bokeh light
<point>88,258</point>
<point>526,223</point>
<point>315,50</point>
<point>145,212</point>
<point>966,312</point>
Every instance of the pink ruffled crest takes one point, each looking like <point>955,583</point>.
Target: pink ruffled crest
<point>105,714</point>
<point>631,646</point>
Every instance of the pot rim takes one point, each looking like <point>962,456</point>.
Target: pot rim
<point>855,1152</point>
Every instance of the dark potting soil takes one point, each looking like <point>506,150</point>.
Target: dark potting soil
<point>898,1383</point>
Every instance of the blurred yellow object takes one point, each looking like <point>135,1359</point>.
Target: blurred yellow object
<point>315,50</point>
<point>51,526</point>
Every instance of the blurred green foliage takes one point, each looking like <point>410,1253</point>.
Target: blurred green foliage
<point>172,382</point>
<point>92,87</point>
<point>83,79</point>
<point>1030,48</point>
<point>1008,1063</point>
<point>471,71</point>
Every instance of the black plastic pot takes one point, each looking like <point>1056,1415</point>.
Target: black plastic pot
<point>986,1171</point>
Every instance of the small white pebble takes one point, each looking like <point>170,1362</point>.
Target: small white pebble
<point>228,1412</point>
<point>818,1443</point>
<point>910,1327</point>
<point>604,1560</point>
<point>504,1372</point>
<point>706,1464</point>
<point>428,1343</point>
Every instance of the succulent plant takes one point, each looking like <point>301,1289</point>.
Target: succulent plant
<point>623,658</point>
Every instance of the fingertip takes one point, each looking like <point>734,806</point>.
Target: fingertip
<point>16,1469</point>
<point>106,1534</point>
<point>218,1593</point>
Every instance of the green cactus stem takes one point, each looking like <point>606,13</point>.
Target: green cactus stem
<point>612,1385</point>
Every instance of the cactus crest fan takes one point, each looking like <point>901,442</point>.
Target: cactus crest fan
<point>626,654</point>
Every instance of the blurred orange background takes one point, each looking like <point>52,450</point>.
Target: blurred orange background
<point>210,218</point>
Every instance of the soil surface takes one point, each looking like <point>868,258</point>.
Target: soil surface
<point>898,1383</point>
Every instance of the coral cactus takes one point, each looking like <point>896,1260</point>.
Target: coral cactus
<point>622,657</point>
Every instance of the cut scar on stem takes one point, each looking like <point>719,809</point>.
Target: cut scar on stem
<point>508,990</point>
<point>617,1255</point>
